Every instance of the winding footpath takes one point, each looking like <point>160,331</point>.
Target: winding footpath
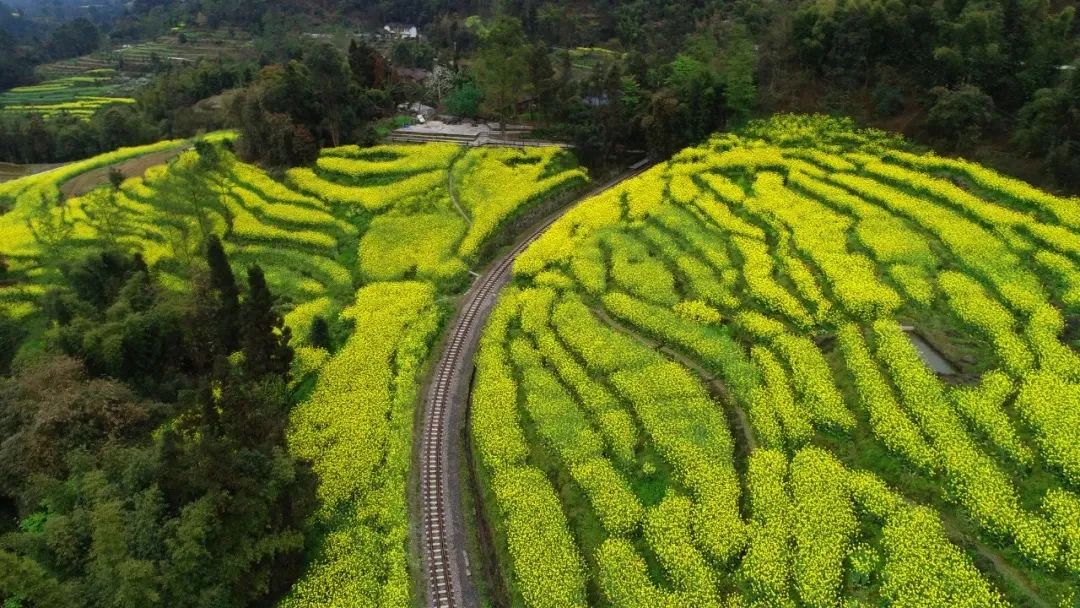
<point>443,542</point>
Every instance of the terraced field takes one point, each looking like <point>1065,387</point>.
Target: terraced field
<point>703,386</point>
<point>701,390</point>
<point>375,240</point>
<point>165,49</point>
<point>76,95</point>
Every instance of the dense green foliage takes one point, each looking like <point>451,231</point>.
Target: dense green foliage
<point>126,501</point>
<point>75,95</point>
<point>252,325</point>
<point>992,77</point>
<point>730,322</point>
<point>81,116</point>
<point>291,111</point>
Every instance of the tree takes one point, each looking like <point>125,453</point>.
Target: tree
<point>15,68</point>
<point>24,578</point>
<point>369,69</point>
<point>501,67</point>
<point>541,77</point>
<point>440,82</point>
<point>280,119</point>
<point>739,60</point>
<point>12,333</point>
<point>660,123</point>
<point>465,100</point>
<point>330,77</point>
<point>265,336</point>
<point>320,334</point>
<point>888,99</point>
<point>77,37</point>
<point>105,214</point>
<point>699,108</point>
<point>53,409</point>
<point>118,126</point>
<point>227,306</point>
<point>124,501</point>
<point>50,224</point>
<point>144,514</point>
<point>556,24</point>
<point>611,120</point>
<point>191,191</point>
<point>960,114</point>
<point>116,178</point>
<point>1050,126</point>
<point>110,314</point>
<point>97,277</point>
<point>214,165</point>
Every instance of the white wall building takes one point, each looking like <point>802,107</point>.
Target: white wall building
<point>401,30</point>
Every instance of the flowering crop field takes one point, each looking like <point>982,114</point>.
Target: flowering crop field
<point>702,388</point>
<point>371,240</point>
<point>80,96</point>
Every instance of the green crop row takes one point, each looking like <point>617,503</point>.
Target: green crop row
<point>778,266</point>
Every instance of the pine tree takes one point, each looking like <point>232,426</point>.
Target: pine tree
<point>368,68</point>
<point>223,282</point>
<point>265,336</point>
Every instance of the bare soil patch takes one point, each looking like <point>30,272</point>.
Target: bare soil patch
<point>10,171</point>
<point>130,168</point>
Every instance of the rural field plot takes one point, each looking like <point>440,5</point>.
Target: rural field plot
<point>702,388</point>
<point>76,95</point>
<point>372,240</point>
<point>187,47</point>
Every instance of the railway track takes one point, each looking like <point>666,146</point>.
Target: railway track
<point>445,562</point>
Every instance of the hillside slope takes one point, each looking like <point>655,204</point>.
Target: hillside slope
<point>702,388</point>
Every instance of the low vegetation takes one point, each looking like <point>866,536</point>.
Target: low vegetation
<point>348,268</point>
<point>79,96</point>
<point>707,368</point>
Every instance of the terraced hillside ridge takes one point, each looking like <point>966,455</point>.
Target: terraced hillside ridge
<point>195,45</point>
<point>700,389</point>
<point>79,96</point>
<point>374,240</point>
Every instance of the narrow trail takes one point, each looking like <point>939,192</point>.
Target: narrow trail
<point>132,167</point>
<point>716,385</point>
<point>952,528</point>
<point>453,192</point>
<point>445,562</point>
<point>1003,568</point>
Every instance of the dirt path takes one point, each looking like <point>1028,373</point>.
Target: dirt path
<point>952,528</point>
<point>716,385</point>
<point>1003,568</point>
<point>81,184</point>
<point>11,171</point>
<point>453,192</point>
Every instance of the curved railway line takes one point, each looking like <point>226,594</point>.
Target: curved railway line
<point>445,562</point>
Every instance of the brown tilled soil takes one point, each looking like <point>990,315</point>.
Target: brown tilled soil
<point>9,171</point>
<point>130,168</point>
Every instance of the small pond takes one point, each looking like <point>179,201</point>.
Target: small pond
<point>930,355</point>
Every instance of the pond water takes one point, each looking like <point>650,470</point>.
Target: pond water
<point>930,355</point>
